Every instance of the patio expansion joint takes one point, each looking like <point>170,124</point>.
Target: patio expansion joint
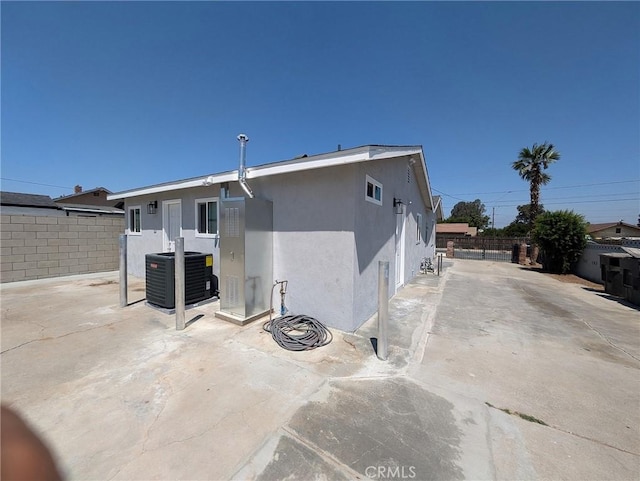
<point>608,341</point>
<point>324,455</point>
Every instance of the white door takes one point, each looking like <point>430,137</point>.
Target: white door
<point>171,223</point>
<point>399,250</point>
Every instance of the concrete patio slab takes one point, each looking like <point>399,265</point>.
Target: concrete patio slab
<point>120,394</point>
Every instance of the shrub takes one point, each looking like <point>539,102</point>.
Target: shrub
<point>561,236</point>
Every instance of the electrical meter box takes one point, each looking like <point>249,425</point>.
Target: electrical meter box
<point>246,258</point>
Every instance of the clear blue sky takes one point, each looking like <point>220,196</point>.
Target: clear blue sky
<point>128,94</point>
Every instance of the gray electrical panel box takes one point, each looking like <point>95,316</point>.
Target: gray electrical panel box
<point>246,258</point>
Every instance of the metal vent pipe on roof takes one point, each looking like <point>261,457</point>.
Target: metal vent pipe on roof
<point>242,170</point>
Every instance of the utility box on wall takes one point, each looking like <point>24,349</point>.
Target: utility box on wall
<point>621,275</point>
<point>246,258</point>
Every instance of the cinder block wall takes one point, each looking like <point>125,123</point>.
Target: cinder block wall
<point>35,247</point>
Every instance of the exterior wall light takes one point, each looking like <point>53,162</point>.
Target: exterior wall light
<point>152,207</point>
<point>398,206</point>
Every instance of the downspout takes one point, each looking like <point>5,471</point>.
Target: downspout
<point>242,171</point>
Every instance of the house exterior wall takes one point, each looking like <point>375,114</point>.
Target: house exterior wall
<point>151,238</point>
<point>41,246</point>
<point>625,231</point>
<point>313,242</point>
<point>327,238</point>
<point>375,227</point>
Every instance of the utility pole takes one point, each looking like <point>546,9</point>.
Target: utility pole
<point>493,217</point>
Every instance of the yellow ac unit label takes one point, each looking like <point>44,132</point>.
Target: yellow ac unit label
<point>209,261</point>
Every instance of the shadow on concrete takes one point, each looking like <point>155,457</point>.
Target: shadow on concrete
<point>535,268</point>
<point>374,344</point>
<point>191,321</point>
<point>136,302</point>
<point>610,297</point>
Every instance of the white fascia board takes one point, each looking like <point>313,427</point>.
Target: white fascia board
<point>438,210</point>
<point>96,210</point>
<point>423,162</point>
<point>387,152</point>
<point>185,184</point>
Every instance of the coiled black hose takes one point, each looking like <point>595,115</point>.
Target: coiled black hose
<point>298,333</point>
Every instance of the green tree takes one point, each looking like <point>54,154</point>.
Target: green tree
<point>471,213</point>
<point>562,237</point>
<point>525,214</point>
<point>521,226</point>
<point>530,166</point>
<point>494,232</point>
<point>516,229</point>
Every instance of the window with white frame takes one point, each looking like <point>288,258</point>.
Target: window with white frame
<point>135,221</point>
<point>207,217</point>
<point>373,190</point>
<point>418,228</point>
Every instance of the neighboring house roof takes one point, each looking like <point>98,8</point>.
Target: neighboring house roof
<point>67,198</point>
<point>454,228</point>
<point>459,228</point>
<point>340,157</point>
<point>598,227</point>
<point>94,209</point>
<point>27,200</point>
<point>632,251</point>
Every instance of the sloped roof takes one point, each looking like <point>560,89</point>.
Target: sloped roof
<point>607,225</point>
<point>27,200</point>
<point>99,209</point>
<point>454,228</point>
<point>632,251</point>
<point>71,196</point>
<point>330,159</point>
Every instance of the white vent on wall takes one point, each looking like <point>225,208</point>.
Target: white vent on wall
<point>232,223</point>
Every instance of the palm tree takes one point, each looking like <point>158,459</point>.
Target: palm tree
<point>530,166</point>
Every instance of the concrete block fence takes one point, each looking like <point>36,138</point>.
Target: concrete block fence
<point>36,247</point>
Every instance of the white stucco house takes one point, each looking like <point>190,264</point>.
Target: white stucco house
<point>335,215</point>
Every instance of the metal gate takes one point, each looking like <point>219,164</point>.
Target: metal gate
<point>501,249</point>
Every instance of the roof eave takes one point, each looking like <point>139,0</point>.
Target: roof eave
<point>359,154</point>
<point>184,184</point>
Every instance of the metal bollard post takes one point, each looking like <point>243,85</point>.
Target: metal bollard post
<point>123,270</point>
<point>439,263</point>
<point>179,283</point>
<point>383,310</point>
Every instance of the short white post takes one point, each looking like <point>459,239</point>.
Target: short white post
<point>382,346</point>
<point>179,283</point>
<point>123,270</point>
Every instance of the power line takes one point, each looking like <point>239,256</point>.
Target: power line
<point>542,201</point>
<point>546,188</point>
<point>35,183</point>
<point>590,185</point>
<point>448,195</point>
<point>577,202</point>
